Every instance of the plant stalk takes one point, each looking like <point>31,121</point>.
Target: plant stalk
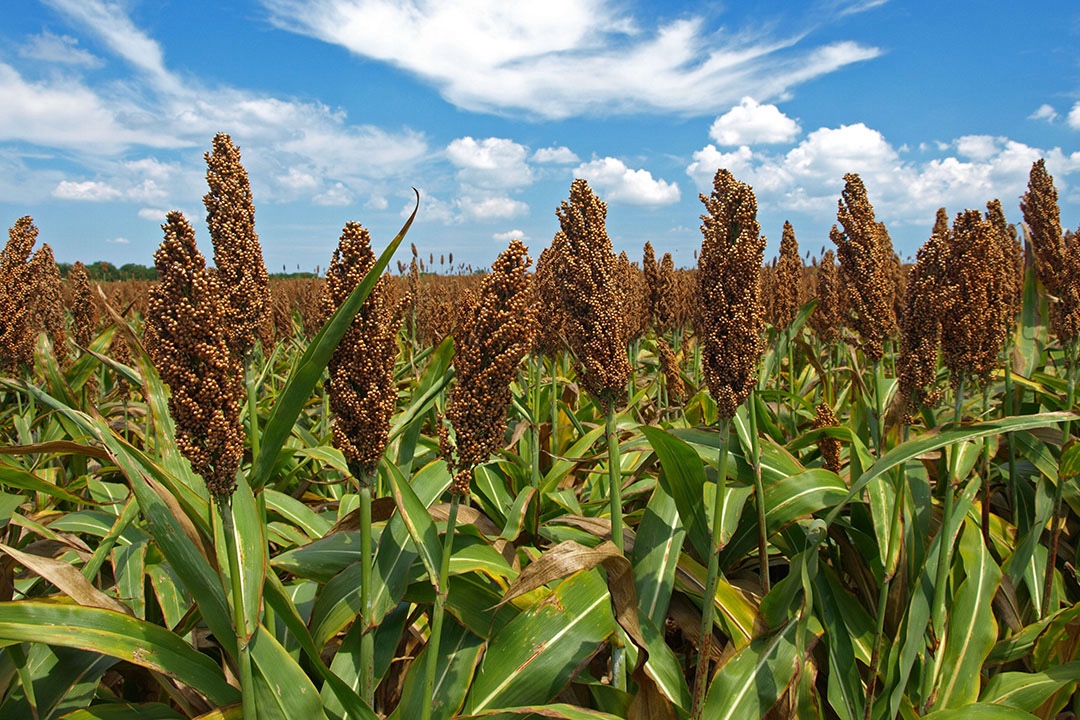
<point>712,579</point>
<point>618,660</point>
<point>1055,518</point>
<point>945,549</point>
<point>759,496</point>
<point>442,590</point>
<point>367,638</point>
<point>243,647</point>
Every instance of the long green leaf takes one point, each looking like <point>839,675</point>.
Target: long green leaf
<point>535,654</point>
<point>459,653</point>
<point>972,628</point>
<point>937,439</point>
<point>683,476</point>
<point>418,522</point>
<point>751,682</point>
<point>116,635</point>
<point>656,555</point>
<point>309,369</point>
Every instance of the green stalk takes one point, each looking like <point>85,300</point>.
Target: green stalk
<point>886,584</point>
<point>614,478</point>
<point>1055,519</point>
<point>708,606</point>
<point>243,648</point>
<point>945,549</point>
<point>252,410</point>
<point>367,638</point>
<point>759,496</point>
<point>618,652</point>
<point>442,590</point>
<point>791,381</point>
<point>879,409</point>
<point>535,388</point>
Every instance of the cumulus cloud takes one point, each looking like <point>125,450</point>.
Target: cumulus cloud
<point>490,55</point>
<point>808,177</point>
<point>1074,116</point>
<point>491,208</point>
<point>1045,112</point>
<point>510,235</point>
<point>749,123</point>
<point>560,155</point>
<point>491,163</point>
<point>91,190</point>
<point>119,241</point>
<point>613,180</point>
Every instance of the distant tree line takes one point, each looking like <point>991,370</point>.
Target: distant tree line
<point>102,271</point>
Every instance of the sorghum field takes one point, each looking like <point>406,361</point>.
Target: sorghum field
<point>580,488</point>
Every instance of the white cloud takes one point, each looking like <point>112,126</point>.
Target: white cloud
<point>59,49</point>
<point>560,155</point>
<point>292,149</point>
<point>510,235</point>
<point>566,57</point>
<point>613,180</point>
<point>156,215</point>
<point>1045,112</point>
<point>749,123</point>
<point>119,241</point>
<point>335,196</point>
<point>91,191</point>
<point>972,170</point>
<point>1074,117</point>
<point>491,163</point>
<point>491,208</point>
<point>64,113</point>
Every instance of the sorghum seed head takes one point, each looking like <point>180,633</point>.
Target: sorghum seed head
<point>866,257</point>
<point>361,385</point>
<point>187,341</point>
<point>498,331</point>
<point>230,218</point>
<point>591,295</point>
<point>731,316</point>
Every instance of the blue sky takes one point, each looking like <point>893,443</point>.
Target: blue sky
<point>491,108</point>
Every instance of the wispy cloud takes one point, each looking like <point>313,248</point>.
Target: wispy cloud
<point>158,109</point>
<point>59,49</point>
<point>566,57</point>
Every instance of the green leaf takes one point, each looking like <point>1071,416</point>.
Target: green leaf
<point>534,656</point>
<point>125,711</point>
<point>751,682</point>
<point>561,711</point>
<point>249,539</point>
<point>459,652</point>
<point>309,369</point>
<point>656,555</point>
<point>980,711</point>
<point>14,477</point>
<point>119,636</point>
<point>936,439</point>
<point>972,628</point>
<point>683,476</point>
<point>1027,691</point>
<point>418,522</point>
<point>282,688</point>
<point>845,691</point>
